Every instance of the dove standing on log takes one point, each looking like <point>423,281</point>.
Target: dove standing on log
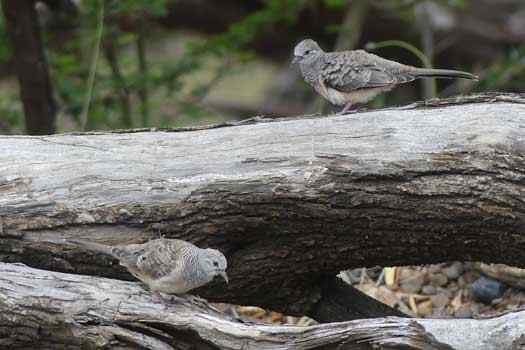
<point>170,266</point>
<point>346,78</point>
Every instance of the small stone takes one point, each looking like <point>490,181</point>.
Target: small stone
<point>439,301</point>
<point>440,313</point>
<point>464,311</point>
<point>383,294</point>
<point>445,291</point>
<point>486,289</point>
<point>454,271</point>
<point>475,308</point>
<point>434,268</point>
<point>470,276</point>
<point>468,265</point>
<point>452,287</point>
<point>517,297</point>
<point>428,290</point>
<point>406,273</point>
<point>413,284</point>
<point>461,282</point>
<point>457,301</point>
<point>276,317</point>
<point>374,272</point>
<point>401,306</point>
<point>496,301</point>
<point>438,280</point>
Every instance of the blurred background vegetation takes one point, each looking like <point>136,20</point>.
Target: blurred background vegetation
<point>165,63</point>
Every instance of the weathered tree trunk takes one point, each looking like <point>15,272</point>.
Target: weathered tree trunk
<point>49,310</point>
<point>290,202</point>
<point>31,66</point>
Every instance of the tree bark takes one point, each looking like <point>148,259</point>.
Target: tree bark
<point>290,202</point>
<point>50,310</point>
<point>143,71</point>
<point>30,62</point>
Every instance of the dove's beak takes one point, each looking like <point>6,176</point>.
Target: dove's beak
<point>295,60</point>
<point>224,275</point>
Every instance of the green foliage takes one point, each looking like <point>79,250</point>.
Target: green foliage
<point>240,34</point>
<point>127,7</point>
<point>117,95</point>
<point>506,72</point>
<point>137,7</point>
<point>11,111</point>
<point>336,4</point>
<point>70,64</point>
<point>229,46</point>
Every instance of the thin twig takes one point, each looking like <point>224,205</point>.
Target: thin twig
<point>120,85</point>
<point>93,66</point>
<point>423,21</point>
<point>143,69</point>
<point>403,44</point>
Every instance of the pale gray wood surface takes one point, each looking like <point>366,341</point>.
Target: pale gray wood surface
<point>81,312</point>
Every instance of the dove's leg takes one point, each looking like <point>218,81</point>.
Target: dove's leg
<point>347,109</point>
<point>196,298</point>
<point>157,297</point>
<point>163,298</point>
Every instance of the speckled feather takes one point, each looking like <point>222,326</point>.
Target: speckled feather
<point>347,71</point>
<point>156,258</point>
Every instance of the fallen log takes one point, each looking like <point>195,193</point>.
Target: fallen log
<point>290,202</point>
<point>50,310</point>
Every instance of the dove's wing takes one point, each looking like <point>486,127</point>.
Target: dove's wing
<point>155,259</point>
<point>349,71</point>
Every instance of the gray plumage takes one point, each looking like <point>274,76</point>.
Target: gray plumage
<point>351,77</point>
<point>170,266</point>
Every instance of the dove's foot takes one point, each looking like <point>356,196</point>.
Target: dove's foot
<point>158,298</point>
<point>348,110</point>
<point>352,111</point>
<point>163,298</point>
<point>345,109</point>
<point>166,298</point>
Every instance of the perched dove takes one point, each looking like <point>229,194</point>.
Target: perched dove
<point>170,266</point>
<point>352,77</point>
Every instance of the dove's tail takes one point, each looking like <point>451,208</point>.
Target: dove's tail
<point>444,73</point>
<point>96,247</point>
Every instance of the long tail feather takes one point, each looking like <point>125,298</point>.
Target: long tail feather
<point>96,247</point>
<point>444,73</point>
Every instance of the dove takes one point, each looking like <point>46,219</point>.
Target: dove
<point>346,78</point>
<point>169,266</point>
